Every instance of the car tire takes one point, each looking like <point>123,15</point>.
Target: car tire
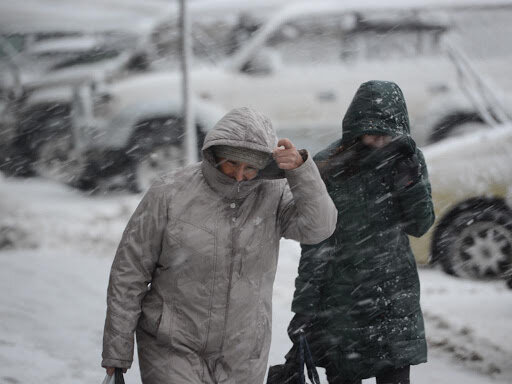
<point>34,128</point>
<point>508,279</point>
<point>474,239</point>
<point>156,148</point>
<point>56,160</point>
<point>156,162</point>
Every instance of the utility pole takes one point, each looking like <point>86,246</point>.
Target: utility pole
<point>188,111</point>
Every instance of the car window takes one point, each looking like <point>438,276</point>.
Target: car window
<point>397,36</point>
<point>481,32</point>
<point>308,39</point>
<point>344,37</point>
<point>89,57</point>
<point>211,41</point>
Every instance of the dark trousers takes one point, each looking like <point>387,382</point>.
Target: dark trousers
<point>391,376</point>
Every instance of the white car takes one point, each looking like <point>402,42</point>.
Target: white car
<point>304,64</point>
<point>36,90</point>
<point>472,194</point>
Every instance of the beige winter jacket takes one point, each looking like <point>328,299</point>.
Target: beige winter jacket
<point>194,271</point>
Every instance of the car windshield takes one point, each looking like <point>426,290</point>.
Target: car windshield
<point>212,39</point>
<point>481,35</point>
<point>344,37</point>
<point>89,57</point>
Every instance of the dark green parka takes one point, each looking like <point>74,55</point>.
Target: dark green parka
<point>362,282</point>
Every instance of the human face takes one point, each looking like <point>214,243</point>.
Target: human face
<point>237,170</point>
<point>376,141</point>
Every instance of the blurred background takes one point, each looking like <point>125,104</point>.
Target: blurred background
<point>91,111</point>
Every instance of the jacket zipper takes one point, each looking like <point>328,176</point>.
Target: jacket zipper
<point>228,294</point>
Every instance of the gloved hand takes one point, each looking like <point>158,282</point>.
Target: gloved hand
<point>407,172</point>
<point>403,145</point>
<point>299,322</point>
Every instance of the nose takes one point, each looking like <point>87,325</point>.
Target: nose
<point>380,141</point>
<point>239,174</point>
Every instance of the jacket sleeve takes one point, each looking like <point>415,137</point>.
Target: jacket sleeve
<point>417,209</point>
<point>130,275</point>
<point>306,212</point>
<point>311,276</point>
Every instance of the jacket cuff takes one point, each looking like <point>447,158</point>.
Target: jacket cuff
<point>305,158</point>
<point>117,347</point>
<point>106,362</point>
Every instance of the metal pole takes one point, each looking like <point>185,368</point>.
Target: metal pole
<point>188,112</point>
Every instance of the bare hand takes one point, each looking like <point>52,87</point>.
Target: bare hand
<point>111,370</point>
<point>286,155</point>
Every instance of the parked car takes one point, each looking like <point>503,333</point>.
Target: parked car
<point>302,65</point>
<point>472,192</point>
<point>128,150</point>
<point>309,58</point>
<point>133,129</point>
<point>479,53</point>
<point>37,88</point>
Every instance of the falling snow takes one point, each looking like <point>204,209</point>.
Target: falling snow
<point>91,114</point>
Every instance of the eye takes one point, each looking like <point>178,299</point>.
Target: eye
<point>251,170</point>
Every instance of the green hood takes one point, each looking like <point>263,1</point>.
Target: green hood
<point>378,108</point>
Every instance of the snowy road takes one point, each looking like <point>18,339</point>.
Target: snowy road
<point>53,287</point>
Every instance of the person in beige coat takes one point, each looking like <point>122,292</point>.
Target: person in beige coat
<point>194,271</point>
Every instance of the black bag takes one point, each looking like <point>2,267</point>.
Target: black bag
<point>119,379</point>
<point>292,372</point>
<point>116,378</point>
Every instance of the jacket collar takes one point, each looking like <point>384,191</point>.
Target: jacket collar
<point>224,185</point>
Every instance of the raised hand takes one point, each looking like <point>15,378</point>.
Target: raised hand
<point>286,155</point>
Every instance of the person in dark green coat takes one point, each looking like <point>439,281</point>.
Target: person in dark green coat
<point>357,294</point>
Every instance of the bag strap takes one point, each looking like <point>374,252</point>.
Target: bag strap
<point>119,379</point>
<point>302,340</point>
<point>310,365</point>
<point>305,358</point>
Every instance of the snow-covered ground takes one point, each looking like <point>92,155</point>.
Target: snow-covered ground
<point>56,247</point>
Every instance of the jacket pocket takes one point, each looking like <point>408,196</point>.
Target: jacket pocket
<point>192,236</point>
<point>151,313</point>
<point>166,325</point>
<point>190,252</point>
<point>261,327</point>
<point>256,243</point>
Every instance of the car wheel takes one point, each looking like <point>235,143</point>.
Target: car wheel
<point>475,239</point>
<point>35,127</point>
<point>56,160</point>
<point>156,162</point>
<point>508,278</point>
